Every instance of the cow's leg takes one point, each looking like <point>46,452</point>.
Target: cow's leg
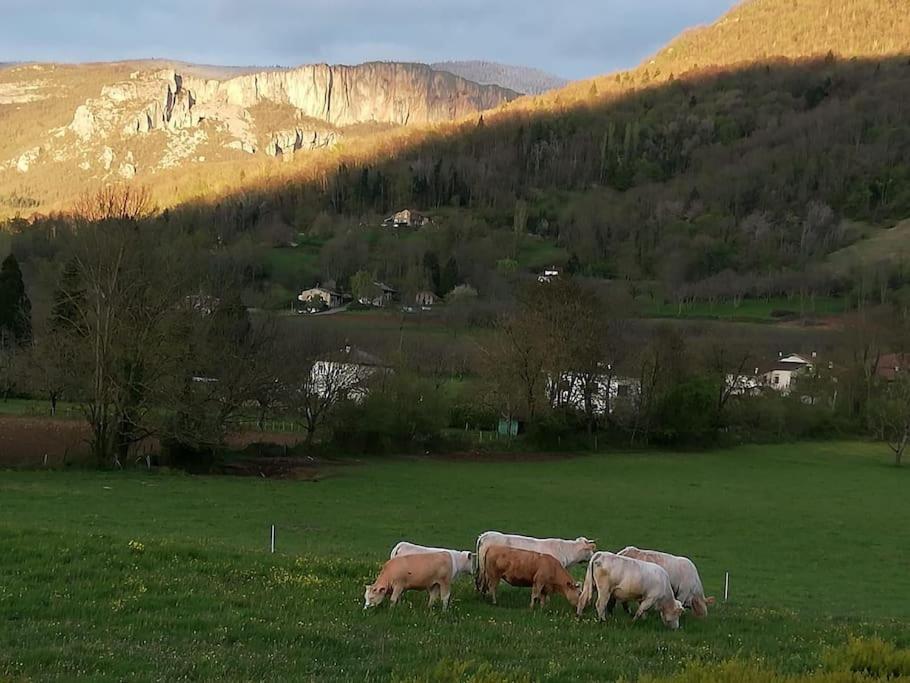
<point>643,607</point>
<point>536,596</point>
<point>396,595</point>
<point>491,586</point>
<point>611,603</point>
<point>603,599</point>
<point>445,591</point>
<point>434,594</point>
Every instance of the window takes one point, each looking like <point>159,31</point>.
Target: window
<point>775,379</point>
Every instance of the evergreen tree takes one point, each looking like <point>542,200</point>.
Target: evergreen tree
<point>15,307</point>
<point>67,298</point>
<point>431,266</point>
<point>448,279</point>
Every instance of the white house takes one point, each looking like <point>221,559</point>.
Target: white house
<point>606,391</point>
<point>781,375</point>
<point>331,298</point>
<point>406,218</point>
<point>345,375</point>
<point>548,274</point>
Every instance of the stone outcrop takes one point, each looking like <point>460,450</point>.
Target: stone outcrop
<point>83,124</point>
<point>291,141</point>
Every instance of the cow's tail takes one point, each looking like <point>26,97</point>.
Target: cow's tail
<point>480,579</point>
<point>587,590</point>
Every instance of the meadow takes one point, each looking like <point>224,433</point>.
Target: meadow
<point>152,576</point>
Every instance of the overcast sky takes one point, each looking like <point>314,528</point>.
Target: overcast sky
<point>570,38</point>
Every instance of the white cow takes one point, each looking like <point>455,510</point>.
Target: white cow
<point>462,560</point>
<point>625,579</point>
<point>565,551</point>
<point>683,577</point>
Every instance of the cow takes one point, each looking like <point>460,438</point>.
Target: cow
<point>566,552</point>
<point>683,577</point>
<point>626,579</point>
<point>462,560</point>
<point>541,572</point>
<point>431,572</point>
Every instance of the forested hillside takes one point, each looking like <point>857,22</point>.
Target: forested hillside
<point>733,180</point>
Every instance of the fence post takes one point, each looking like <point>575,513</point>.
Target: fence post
<point>726,585</point>
<point>272,543</point>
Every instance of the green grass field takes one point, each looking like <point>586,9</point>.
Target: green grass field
<point>815,537</point>
<point>749,310</point>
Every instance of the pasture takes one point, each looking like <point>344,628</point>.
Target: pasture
<point>139,576</point>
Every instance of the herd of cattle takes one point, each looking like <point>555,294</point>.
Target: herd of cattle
<point>655,580</point>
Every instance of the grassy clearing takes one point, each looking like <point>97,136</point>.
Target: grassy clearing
<point>750,310</point>
<point>812,535</point>
<point>882,245</point>
<point>29,407</point>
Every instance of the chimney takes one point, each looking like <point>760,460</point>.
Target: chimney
<point>814,354</point>
<point>780,354</point>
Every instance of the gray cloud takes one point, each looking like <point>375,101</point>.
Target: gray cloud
<point>573,38</point>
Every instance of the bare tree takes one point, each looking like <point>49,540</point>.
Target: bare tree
<point>114,203</point>
<point>891,415</point>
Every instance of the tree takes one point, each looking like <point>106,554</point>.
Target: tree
<point>432,272</point>
<point>15,307</point>
<point>448,278</point>
<point>890,413</point>
<point>363,285</point>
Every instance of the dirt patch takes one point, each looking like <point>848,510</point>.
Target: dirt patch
<point>26,441</point>
<point>241,440</point>
<point>483,456</point>
<point>300,469</point>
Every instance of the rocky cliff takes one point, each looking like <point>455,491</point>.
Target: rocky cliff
<point>399,94</point>
<point>140,118</point>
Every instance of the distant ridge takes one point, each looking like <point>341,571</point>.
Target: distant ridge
<point>522,79</point>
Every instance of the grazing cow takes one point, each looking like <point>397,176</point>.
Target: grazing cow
<point>683,577</point>
<point>566,552</point>
<point>543,573</point>
<point>625,579</point>
<point>431,572</point>
<point>461,559</point>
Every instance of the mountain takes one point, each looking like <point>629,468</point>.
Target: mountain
<point>71,126</point>
<point>736,177</point>
<point>521,79</point>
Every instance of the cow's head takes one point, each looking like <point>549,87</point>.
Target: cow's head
<point>572,591</point>
<point>465,561</point>
<point>671,612</point>
<point>374,594</point>
<point>586,548</point>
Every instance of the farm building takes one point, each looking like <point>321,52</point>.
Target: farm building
<point>406,218</point>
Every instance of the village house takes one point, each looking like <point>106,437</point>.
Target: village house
<point>345,374</point>
<point>309,297</point>
<point>548,274</point>
<point>425,299</point>
<point>780,375</point>
<point>406,218</point>
<point>891,365</point>
<point>607,391</point>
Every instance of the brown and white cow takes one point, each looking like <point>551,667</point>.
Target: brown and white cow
<point>541,572</point>
<point>565,551</point>
<point>626,579</point>
<point>431,572</point>
<point>683,577</point>
<point>462,560</point>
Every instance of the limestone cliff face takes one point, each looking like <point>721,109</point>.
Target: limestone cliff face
<point>393,93</point>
